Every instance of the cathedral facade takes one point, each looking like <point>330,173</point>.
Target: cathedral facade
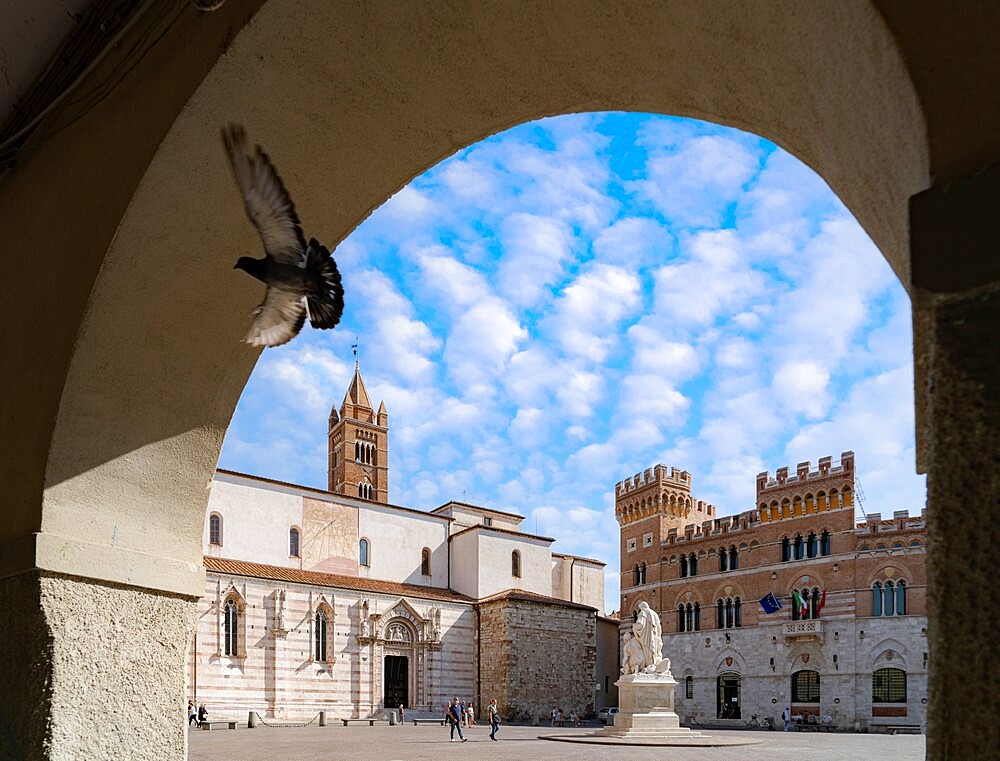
<point>849,640</point>
<point>336,600</point>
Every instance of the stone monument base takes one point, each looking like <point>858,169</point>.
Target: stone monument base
<point>646,708</point>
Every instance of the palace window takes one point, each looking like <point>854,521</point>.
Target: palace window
<point>642,573</point>
<point>425,561</point>
<point>805,687</point>
<point>487,521</point>
<point>684,566</point>
<point>321,641</point>
<point>811,546</point>
<point>889,686</point>
<point>799,547</point>
<point>729,613</point>
<point>692,565</point>
<point>824,543</point>
<point>723,560</point>
<point>734,559</point>
<point>515,564</point>
<point>689,688</point>
<point>635,575</point>
<point>231,629</point>
<point>889,599</point>
<point>293,542</point>
<point>689,617</point>
<point>811,598</point>
<point>363,558</point>
<point>365,491</point>
<point>786,550</point>
<point>215,529</point>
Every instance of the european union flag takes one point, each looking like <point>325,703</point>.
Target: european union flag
<point>770,603</point>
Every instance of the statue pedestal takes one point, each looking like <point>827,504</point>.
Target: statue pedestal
<point>646,709</point>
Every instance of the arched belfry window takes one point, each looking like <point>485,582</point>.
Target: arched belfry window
<point>215,529</point>
<point>231,629</point>
<point>425,561</point>
<point>293,542</point>
<point>515,564</point>
<point>363,553</point>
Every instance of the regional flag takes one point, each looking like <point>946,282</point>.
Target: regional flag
<point>822,602</point>
<point>770,603</point>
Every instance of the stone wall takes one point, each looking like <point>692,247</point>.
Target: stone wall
<point>535,655</point>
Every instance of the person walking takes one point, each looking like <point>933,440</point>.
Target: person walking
<point>192,713</point>
<point>472,714</point>
<point>464,713</point>
<point>455,719</point>
<point>786,716</point>
<point>494,717</point>
<point>202,714</point>
<point>402,716</point>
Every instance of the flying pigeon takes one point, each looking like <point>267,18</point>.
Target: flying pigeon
<point>302,280</point>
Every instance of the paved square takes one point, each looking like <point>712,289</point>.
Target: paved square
<point>404,743</point>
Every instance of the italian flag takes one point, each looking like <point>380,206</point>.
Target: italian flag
<point>800,604</point>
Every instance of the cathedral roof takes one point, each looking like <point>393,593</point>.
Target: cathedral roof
<point>294,575</point>
<point>522,595</point>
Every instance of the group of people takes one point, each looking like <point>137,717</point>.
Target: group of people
<point>196,714</point>
<point>461,714</point>
<point>790,718</point>
<point>560,719</point>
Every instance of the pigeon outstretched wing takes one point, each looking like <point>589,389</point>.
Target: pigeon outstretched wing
<point>278,319</point>
<point>266,201</point>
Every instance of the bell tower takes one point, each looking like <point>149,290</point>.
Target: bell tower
<point>358,445</point>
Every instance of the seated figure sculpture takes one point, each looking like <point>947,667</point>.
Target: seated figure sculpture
<point>632,660</point>
<point>642,650</point>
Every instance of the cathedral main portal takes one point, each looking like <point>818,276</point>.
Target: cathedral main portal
<point>396,681</point>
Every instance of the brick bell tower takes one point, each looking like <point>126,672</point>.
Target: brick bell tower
<point>358,445</point>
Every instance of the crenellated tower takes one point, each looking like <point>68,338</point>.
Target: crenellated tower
<point>829,487</point>
<point>358,445</point>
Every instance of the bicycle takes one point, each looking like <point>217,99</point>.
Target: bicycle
<point>760,723</point>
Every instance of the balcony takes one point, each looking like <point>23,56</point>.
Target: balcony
<point>809,629</point>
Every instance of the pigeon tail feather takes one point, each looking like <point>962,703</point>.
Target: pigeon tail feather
<point>326,303</point>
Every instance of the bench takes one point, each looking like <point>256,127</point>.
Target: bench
<point>427,721</point>
<point>805,727</point>
<point>371,722</point>
<point>218,724</point>
<point>901,729</point>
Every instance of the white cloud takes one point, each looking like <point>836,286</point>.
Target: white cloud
<point>634,242</point>
<point>654,353</point>
<point>481,343</point>
<point>801,386</point>
<point>535,251</point>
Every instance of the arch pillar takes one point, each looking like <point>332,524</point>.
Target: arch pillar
<point>956,323</point>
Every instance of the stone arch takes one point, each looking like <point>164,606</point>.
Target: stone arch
<point>889,652</point>
<point>888,570</point>
<point>738,665</point>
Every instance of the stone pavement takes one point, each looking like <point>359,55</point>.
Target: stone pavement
<point>406,743</point>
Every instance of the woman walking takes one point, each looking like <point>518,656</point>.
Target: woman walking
<point>494,716</point>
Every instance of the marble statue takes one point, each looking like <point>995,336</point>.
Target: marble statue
<point>279,615</point>
<point>632,658</point>
<point>648,632</point>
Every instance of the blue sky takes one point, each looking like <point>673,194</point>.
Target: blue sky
<point>576,299</point>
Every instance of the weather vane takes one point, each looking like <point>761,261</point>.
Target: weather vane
<point>354,348</point>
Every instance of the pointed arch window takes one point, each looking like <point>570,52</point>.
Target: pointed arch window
<point>723,560</point>
<point>689,688</point>
<point>684,566</point>
<point>321,635</point>
<point>642,573</point>
<point>693,565</point>
<point>293,542</point>
<point>231,629</point>
<point>215,529</point>
<point>900,598</point>
<point>811,545</point>
<point>877,599</point>
<point>888,599</point>
<point>635,575</point>
<point>681,619</point>
<point>425,561</point>
<point>799,547</point>
<point>363,553</point>
<point>720,614</point>
<point>734,559</point>
<point>786,550</point>
<point>738,613</point>
<point>515,564</point>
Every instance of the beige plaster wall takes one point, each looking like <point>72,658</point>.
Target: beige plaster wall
<point>256,518</point>
<point>396,539</point>
<point>494,562</point>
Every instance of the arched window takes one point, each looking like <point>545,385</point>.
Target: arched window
<point>876,599</point>
<point>635,575</point>
<point>425,561</point>
<point>684,566</point>
<point>293,542</point>
<point>786,550</point>
<point>734,559</point>
<point>888,599</point>
<point>720,610</point>
<point>697,617</point>
<point>738,613</point>
<point>689,688</point>
<point>723,560</point>
<point>900,598</point>
<point>357,451</point>
<point>693,565</point>
<point>231,628</point>
<point>690,617</point>
<point>889,686</point>
<point>215,529</point>
<point>321,635</point>
<point>515,564</point>
<point>798,547</point>
<point>363,552</point>
<point>681,619</point>
<point>642,573</point>
<point>814,603</point>
<point>824,543</point>
<point>805,687</point>
<point>811,545</point>
<point>729,613</point>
